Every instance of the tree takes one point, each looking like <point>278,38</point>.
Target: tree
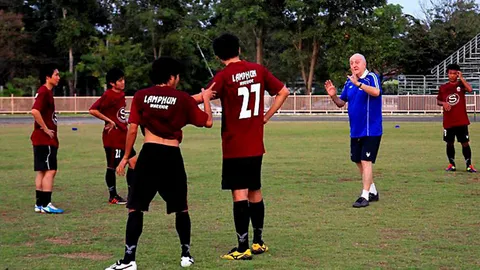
<point>12,40</point>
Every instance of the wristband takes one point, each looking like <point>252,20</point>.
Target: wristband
<point>360,86</point>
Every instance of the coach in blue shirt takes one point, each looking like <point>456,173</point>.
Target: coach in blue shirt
<point>363,93</point>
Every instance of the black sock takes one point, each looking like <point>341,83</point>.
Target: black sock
<point>38,197</point>
<point>134,230</point>
<point>257,215</point>
<point>451,153</point>
<point>183,226</point>
<point>242,220</point>
<point>130,178</point>
<point>111,182</point>
<point>467,153</point>
<point>47,198</point>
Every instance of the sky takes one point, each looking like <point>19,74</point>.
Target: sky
<point>413,6</point>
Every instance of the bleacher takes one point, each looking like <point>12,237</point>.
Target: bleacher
<point>468,57</point>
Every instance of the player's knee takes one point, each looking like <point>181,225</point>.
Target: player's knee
<point>451,143</point>
<point>240,195</point>
<point>255,196</point>
<point>465,144</point>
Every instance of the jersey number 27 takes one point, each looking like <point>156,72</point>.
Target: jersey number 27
<point>245,92</point>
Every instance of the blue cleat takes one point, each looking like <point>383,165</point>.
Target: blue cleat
<point>38,209</point>
<point>50,209</point>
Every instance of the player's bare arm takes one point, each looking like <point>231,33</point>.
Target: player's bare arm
<point>332,92</point>
<point>371,90</point>
<point>111,124</point>
<point>277,103</point>
<point>207,95</point>
<point>131,137</point>
<point>38,118</point>
<point>468,87</point>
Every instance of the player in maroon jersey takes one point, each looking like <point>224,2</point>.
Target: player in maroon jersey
<point>451,97</point>
<point>111,109</point>
<point>162,111</point>
<point>240,87</point>
<point>45,141</point>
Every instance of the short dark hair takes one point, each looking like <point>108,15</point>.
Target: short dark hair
<point>113,75</point>
<point>226,46</point>
<point>455,67</point>
<point>46,71</point>
<point>163,68</point>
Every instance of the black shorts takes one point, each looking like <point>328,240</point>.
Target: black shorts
<point>44,158</point>
<point>460,132</point>
<point>159,169</point>
<point>114,156</point>
<point>364,148</point>
<point>242,173</point>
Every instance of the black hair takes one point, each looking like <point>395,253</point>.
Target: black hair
<point>226,46</point>
<point>113,75</point>
<point>46,71</point>
<point>455,67</point>
<point>163,68</point>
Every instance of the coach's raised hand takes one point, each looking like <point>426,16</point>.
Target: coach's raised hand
<point>330,88</point>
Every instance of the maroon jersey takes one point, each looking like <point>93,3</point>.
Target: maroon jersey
<point>454,94</point>
<point>45,104</point>
<point>240,87</point>
<point>164,111</point>
<point>112,105</point>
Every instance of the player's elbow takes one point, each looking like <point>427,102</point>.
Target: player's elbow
<point>376,92</point>
<point>209,123</point>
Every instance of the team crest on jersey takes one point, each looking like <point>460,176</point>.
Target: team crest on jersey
<point>458,89</point>
<point>121,115</point>
<point>453,99</point>
<point>54,118</point>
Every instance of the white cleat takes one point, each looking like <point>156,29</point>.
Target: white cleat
<point>186,261</point>
<point>119,265</point>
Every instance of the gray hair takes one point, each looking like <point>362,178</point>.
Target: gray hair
<point>360,55</point>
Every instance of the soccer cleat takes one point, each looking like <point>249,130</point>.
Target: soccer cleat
<point>471,169</point>
<point>235,255</point>
<point>373,198</point>
<point>38,209</point>
<point>450,168</point>
<point>120,265</point>
<point>361,202</point>
<point>186,261</point>
<point>259,249</point>
<point>117,200</point>
<point>50,209</point>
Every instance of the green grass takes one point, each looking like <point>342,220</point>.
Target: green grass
<point>425,219</point>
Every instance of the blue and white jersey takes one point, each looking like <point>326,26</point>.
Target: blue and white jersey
<point>364,111</point>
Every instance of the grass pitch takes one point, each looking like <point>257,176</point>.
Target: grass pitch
<point>426,218</point>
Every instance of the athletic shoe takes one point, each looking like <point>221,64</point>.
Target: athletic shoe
<point>235,255</point>
<point>259,249</point>
<point>373,198</point>
<point>361,202</point>
<point>50,209</point>
<point>450,168</point>
<point>38,209</point>
<point>186,261</point>
<point>471,169</point>
<point>120,265</point>
<point>117,200</point>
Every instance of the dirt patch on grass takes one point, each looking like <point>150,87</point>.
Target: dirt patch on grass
<point>59,241</point>
<point>346,179</point>
<point>85,255</point>
<point>392,234</point>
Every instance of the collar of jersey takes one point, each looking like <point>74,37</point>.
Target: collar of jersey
<point>364,75</point>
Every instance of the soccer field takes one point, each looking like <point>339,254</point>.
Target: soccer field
<point>426,218</point>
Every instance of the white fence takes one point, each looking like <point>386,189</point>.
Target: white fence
<point>296,104</point>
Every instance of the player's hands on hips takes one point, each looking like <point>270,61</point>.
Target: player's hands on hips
<point>331,90</point>
<point>49,132</point>
<point>111,125</point>
<point>446,106</point>
<point>121,167</point>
